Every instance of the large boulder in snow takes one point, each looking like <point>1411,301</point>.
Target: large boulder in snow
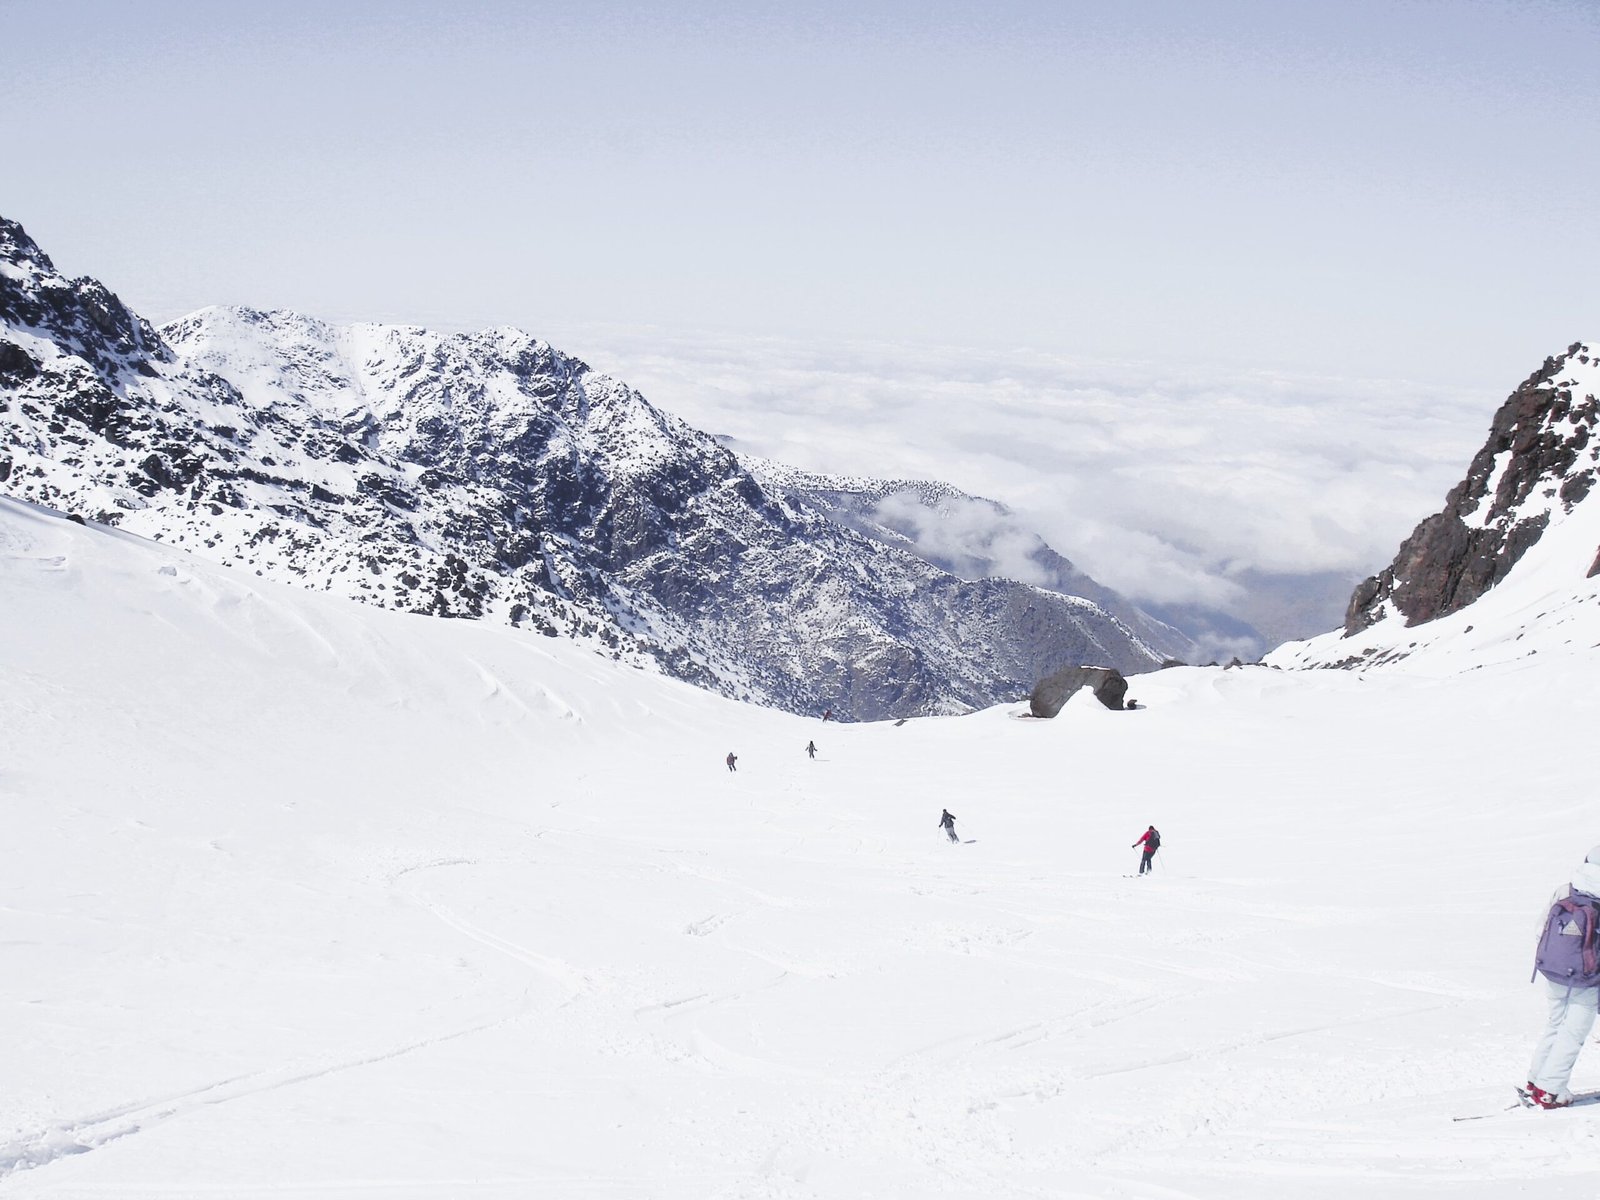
<point>1051,692</point>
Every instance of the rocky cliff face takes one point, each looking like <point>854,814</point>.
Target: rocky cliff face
<point>489,476</point>
<point>1539,462</point>
<point>969,536</point>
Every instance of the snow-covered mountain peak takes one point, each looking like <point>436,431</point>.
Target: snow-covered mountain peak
<point>444,397</point>
<point>82,317</point>
<point>488,475</point>
<point>271,355</point>
<point>21,259</point>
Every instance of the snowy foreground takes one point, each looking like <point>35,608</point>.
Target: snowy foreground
<point>302,897</point>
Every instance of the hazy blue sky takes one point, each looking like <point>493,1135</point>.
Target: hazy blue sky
<point>1376,189</point>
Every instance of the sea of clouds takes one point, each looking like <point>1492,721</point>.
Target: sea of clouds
<point>1257,493</point>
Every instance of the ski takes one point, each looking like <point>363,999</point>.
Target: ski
<point>1579,1099</point>
<point>1525,1100</point>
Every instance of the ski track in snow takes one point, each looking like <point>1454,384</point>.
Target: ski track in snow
<point>83,1134</point>
<point>571,982</point>
<point>602,965</point>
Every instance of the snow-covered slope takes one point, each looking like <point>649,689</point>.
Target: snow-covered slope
<point>300,896</point>
<point>490,476</point>
<point>1511,566</point>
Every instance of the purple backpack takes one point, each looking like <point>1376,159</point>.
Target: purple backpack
<point>1569,947</point>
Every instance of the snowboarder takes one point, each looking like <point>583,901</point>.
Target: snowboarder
<point>1152,842</point>
<point>947,822</point>
<point>1567,959</point>
<point>732,758</point>
<point>811,749</point>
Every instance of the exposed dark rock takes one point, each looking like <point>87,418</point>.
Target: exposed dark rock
<point>1538,457</point>
<point>16,365</point>
<point>1052,692</point>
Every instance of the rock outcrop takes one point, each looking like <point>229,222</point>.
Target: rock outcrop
<point>1051,694</point>
<point>1540,459</point>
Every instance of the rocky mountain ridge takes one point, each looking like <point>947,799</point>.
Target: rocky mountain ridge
<point>1539,460</point>
<point>969,536</point>
<point>1515,547</point>
<point>490,476</point>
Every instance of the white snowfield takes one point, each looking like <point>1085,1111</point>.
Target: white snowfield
<point>302,897</point>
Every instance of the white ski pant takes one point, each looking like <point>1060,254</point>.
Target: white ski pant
<point>1572,1014</point>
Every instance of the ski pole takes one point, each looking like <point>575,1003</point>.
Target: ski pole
<point>1162,861</point>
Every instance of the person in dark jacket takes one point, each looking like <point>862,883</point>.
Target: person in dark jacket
<point>811,749</point>
<point>947,822</point>
<point>732,759</point>
<point>1151,841</point>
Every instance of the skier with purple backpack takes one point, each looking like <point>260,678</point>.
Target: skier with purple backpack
<point>1569,959</point>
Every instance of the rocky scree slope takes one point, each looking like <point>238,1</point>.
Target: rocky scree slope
<point>489,476</point>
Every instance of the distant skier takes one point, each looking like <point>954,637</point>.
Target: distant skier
<point>947,822</point>
<point>1566,958</point>
<point>827,714</point>
<point>732,759</point>
<point>1151,840</point>
<point>811,749</point>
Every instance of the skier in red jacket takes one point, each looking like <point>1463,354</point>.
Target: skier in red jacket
<point>1151,840</point>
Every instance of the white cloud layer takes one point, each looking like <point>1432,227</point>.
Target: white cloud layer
<point>1166,484</point>
<point>973,537</point>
